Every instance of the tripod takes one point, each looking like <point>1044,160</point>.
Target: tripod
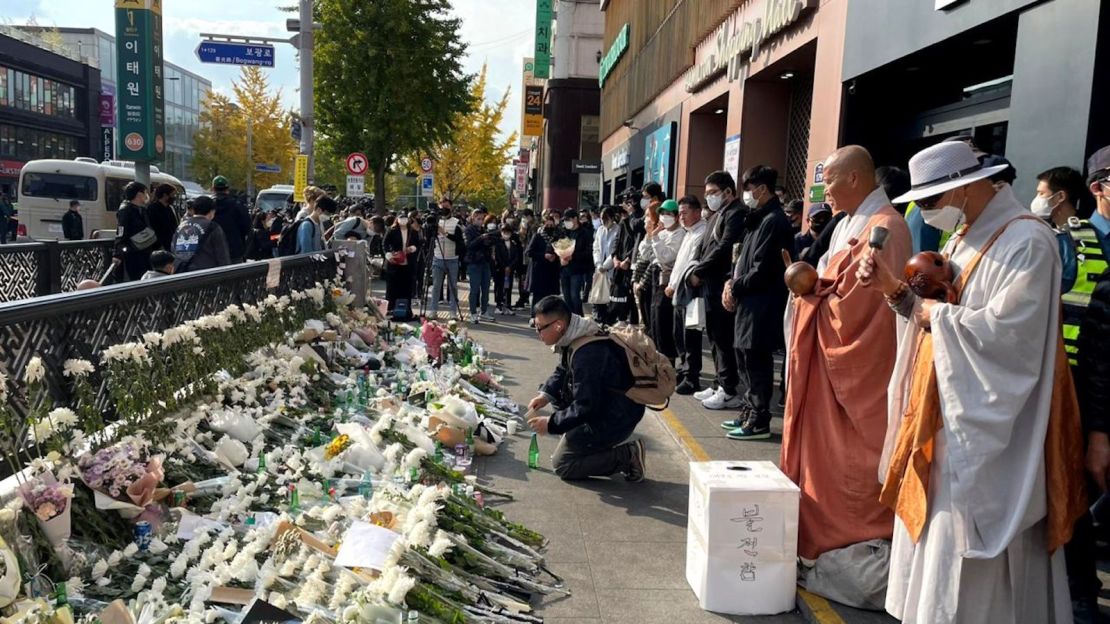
<point>452,285</point>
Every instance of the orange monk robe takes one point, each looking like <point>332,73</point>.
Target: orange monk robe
<point>843,348</point>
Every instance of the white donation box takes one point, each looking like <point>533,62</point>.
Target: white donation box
<point>742,537</point>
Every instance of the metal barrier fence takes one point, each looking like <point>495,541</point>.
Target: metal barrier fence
<point>48,267</point>
<point>81,324</point>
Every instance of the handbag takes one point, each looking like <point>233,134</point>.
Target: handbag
<point>695,313</point>
<point>599,289</point>
<point>144,238</point>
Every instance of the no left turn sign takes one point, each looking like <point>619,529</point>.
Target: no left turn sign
<point>357,164</point>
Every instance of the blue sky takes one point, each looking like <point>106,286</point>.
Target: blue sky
<point>499,32</point>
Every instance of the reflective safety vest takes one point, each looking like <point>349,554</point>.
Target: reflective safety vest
<point>1091,263</point>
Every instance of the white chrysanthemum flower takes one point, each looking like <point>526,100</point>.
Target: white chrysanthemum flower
<point>152,339</point>
<point>440,545</point>
<point>159,585</point>
<point>157,546</point>
<point>35,371</point>
<point>128,552</point>
<point>63,418</point>
<point>138,583</point>
<point>99,570</point>
<point>77,368</point>
<point>401,589</point>
<point>75,587</point>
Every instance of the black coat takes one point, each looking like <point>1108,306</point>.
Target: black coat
<point>394,243</point>
<point>233,217</point>
<point>543,274</point>
<point>582,260</point>
<point>1092,373</point>
<point>73,226</point>
<point>757,285</point>
<point>163,220</point>
<point>508,254</point>
<point>821,243</point>
<point>479,244</point>
<point>592,409</point>
<point>724,230</point>
<point>131,219</point>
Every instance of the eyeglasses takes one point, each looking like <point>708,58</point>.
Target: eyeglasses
<point>541,328</point>
<point>928,203</point>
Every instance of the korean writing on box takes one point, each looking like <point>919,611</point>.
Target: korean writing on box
<point>752,523</point>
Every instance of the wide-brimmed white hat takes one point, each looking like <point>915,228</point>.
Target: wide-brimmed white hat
<point>943,167</point>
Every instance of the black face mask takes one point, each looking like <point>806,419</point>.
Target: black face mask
<point>817,226</point>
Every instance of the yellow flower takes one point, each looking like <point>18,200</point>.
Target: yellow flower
<point>337,446</point>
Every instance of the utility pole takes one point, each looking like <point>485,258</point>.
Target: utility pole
<point>308,115</point>
<point>250,158</point>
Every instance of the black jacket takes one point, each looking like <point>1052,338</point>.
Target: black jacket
<point>543,274</point>
<point>233,218</point>
<point>632,231</point>
<point>592,409</point>
<point>163,220</point>
<point>131,219</point>
<point>196,253</point>
<point>73,226</point>
<point>582,260</point>
<point>394,242</point>
<point>479,244</point>
<point>821,243</point>
<point>725,230</point>
<point>1093,369</point>
<point>757,280</point>
<point>509,254</point>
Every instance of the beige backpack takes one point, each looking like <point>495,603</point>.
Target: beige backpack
<point>653,376</point>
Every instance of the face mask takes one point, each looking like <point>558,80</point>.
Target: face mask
<point>668,221</point>
<point>713,202</point>
<point>1042,207</point>
<point>569,225</point>
<point>750,201</point>
<point>644,203</point>
<point>597,223</point>
<point>945,219</point>
<point>817,226</point>
<point>403,221</point>
<point>491,226</point>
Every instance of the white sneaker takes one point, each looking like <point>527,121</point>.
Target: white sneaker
<point>721,400</point>
<point>702,395</point>
<point>487,317</point>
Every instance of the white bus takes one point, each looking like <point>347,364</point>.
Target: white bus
<point>47,186</point>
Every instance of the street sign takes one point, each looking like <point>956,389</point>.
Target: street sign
<point>107,143</point>
<point>819,173</point>
<point>427,185</point>
<point>533,110</point>
<point>295,129</point>
<point>228,53</point>
<point>521,179</point>
<point>544,17</point>
<point>264,168</point>
<point>141,105</point>
<point>585,166</point>
<point>357,164</point>
<point>426,164</point>
<point>300,177</point>
<point>356,186</point>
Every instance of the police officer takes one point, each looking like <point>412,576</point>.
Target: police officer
<point>233,219</point>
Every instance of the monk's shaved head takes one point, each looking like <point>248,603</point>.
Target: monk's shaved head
<point>851,158</point>
<point>849,178</point>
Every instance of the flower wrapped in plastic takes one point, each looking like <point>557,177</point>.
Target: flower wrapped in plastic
<point>564,248</point>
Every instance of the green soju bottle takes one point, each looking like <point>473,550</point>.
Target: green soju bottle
<point>534,451</point>
<point>366,486</point>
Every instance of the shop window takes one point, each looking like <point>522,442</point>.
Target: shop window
<point>58,185</point>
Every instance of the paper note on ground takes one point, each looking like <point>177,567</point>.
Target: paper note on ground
<point>365,546</point>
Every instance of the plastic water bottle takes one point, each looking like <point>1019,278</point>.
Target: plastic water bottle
<point>413,617</point>
<point>366,486</point>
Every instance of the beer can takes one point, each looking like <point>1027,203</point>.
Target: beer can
<point>144,533</point>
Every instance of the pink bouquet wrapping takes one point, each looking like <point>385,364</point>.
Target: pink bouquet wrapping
<point>49,500</point>
<point>434,336</point>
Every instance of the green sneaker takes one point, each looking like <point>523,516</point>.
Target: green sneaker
<point>743,417</point>
<point>750,431</point>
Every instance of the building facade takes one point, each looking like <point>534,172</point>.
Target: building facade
<point>1028,79</point>
<point>49,106</point>
<point>570,148</point>
<point>703,85</point>
<point>185,92</point>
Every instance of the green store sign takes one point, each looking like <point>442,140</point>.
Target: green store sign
<point>616,51</point>
<point>139,80</point>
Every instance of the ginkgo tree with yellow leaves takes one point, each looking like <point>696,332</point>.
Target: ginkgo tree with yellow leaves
<point>220,145</point>
<point>470,165</point>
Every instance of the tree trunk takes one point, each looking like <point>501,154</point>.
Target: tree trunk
<point>379,189</point>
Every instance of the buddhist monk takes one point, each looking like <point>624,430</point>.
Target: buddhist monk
<point>843,347</point>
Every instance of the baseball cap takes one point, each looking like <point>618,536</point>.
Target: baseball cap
<point>219,182</point>
<point>669,206</point>
<point>1098,164</point>
<point>1007,175</point>
<point>816,209</point>
<point>570,213</point>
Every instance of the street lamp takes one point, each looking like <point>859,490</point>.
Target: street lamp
<point>250,149</point>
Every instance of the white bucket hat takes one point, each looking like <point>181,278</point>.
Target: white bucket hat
<point>943,167</point>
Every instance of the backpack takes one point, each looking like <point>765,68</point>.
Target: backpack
<point>653,375</point>
<point>287,240</point>
<point>187,242</point>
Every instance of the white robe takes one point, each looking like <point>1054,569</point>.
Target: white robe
<point>982,554</point>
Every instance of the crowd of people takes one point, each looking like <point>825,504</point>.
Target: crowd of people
<point>939,407</point>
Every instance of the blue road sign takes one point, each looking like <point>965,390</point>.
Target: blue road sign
<point>295,130</point>
<point>264,168</point>
<point>227,53</point>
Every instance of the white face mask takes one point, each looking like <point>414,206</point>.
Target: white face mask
<point>569,224</point>
<point>667,220</point>
<point>644,202</point>
<point>1042,206</point>
<point>402,221</point>
<point>750,201</point>
<point>713,202</point>
<point>945,219</point>
<point>597,224</point>
<point>491,227</point>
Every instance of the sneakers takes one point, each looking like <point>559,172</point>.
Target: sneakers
<point>509,312</point>
<point>746,414</point>
<point>532,323</point>
<point>705,394</point>
<point>475,319</point>
<point>750,431</point>
<point>636,463</point>
<point>723,400</point>
<point>487,317</point>
<point>686,387</point>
